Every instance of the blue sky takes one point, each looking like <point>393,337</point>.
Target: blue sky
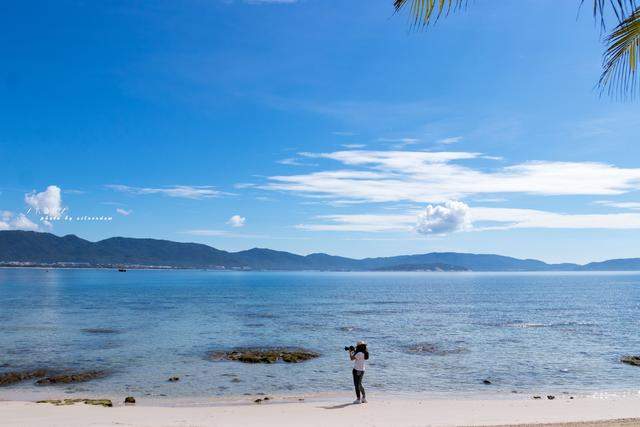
<point>318,125</point>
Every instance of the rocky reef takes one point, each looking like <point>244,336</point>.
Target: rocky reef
<point>631,360</point>
<point>9,378</point>
<point>265,355</point>
<point>78,377</point>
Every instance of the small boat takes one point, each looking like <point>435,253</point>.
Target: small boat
<point>122,270</point>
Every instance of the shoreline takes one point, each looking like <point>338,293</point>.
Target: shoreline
<point>20,394</point>
<point>336,409</point>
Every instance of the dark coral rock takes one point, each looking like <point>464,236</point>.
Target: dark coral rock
<point>79,377</point>
<point>129,400</point>
<point>631,360</point>
<point>9,378</point>
<point>266,355</point>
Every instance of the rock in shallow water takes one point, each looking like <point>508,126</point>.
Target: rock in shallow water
<point>266,355</point>
<point>72,378</point>
<point>129,400</point>
<point>9,378</point>
<point>99,331</point>
<point>631,360</point>
<point>435,349</point>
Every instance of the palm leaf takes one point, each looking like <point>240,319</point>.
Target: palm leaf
<point>425,12</point>
<point>620,9</point>
<point>621,59</point>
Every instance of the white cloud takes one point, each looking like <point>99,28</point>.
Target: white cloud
<point>484,219</point>
<point>353,145</point>
<point>10,222</point>
<point>181,191</point>
<point>21,222</point>
<point>620,205</point>
<point>48,202</point>
<point>450,140</point>
<point>442,219</point>
<point>435,177</point>
<point>237,221</point>
<point>124,212</point>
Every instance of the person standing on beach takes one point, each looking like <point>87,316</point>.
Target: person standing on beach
<point>359,355</point>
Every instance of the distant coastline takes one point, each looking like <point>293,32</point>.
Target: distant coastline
<point>28,249</point>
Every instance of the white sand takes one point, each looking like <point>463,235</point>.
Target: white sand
<point>332,412</point>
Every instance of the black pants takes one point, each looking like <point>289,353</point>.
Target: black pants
<point>357,382</point>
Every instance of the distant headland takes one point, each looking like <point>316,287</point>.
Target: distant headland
<point>34,249</point>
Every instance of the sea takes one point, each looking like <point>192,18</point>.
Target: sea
<point>428,333</point>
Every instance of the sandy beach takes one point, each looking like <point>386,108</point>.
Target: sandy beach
<point>388,411</point>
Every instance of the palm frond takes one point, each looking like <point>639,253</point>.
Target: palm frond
<point>620,9</point>
<point>425,12</point>
<point>621,59</point>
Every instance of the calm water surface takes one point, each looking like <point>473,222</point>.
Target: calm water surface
<point>523,331</point>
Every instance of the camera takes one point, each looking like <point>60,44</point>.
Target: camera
<point>350,348</point>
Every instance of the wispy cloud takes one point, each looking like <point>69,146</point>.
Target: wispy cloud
<point>619,205</point>
<point>435,177</point>
<point>243,185</point>
<point>124,212</point>
<point>361,222</point>
<point>484,219</point>
<point>450,140</point>
<point>292,161</point>
<point>400,142</point>
<point>353,145</point>
<point>180,191</point>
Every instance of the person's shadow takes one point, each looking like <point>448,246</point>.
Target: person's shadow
<point>342,405</point>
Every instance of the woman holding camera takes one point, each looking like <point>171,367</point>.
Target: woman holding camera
<point>359,354</point>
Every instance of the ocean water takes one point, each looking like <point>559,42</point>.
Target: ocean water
<point>433,333</point>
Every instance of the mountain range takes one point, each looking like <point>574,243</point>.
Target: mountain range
<point>29,248</point>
